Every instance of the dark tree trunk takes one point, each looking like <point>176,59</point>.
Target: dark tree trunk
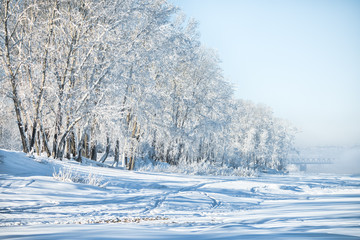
<point>117,150</point>
<point>132,163</point>
<point>94,151</point>
<point>87,145</point>
<point>72,143</point>
<point>37,143</point>
<point>20,124</point>
<point>126,162</point>
<point>80,148</point>
<point>68,147</point>
<point>106,154</point>
<point>45,144</point>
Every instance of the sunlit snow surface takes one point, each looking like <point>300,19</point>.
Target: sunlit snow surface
<point>138,205</point>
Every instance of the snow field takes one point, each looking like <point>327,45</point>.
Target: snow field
<point>145,205</point>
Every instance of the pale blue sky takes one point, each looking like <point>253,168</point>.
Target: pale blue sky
<point>300,57</point>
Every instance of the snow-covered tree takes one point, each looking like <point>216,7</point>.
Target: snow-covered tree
<point>126,78</point>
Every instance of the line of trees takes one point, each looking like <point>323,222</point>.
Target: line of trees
<point>128,78</point>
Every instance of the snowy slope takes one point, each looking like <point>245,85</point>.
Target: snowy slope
<point>144,205</point>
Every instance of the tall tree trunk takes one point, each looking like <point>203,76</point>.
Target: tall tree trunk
<point>43,77</point>
<point>45,141</point>
<point>61,150</point>
<point>117,150</point>
<point>68,148</point>
<point>73,143</point>
<point>80,148</point>
<point>132,159</point>
<point>107,151</point>
<point>131,163</point>
<point>24,139</point>
<point>93,142</point>
<point>58,124</point>
<point>126,161</point>
<point>94,150</point>
<point>70,145</point>
<point>135,135</point>
<point>87,145</point>
<point>12,78</point>
<point>37,143</point>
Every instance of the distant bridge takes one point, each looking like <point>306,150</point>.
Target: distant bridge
<point>303,162</point>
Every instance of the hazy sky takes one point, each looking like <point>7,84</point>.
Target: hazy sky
<point>302,58</point>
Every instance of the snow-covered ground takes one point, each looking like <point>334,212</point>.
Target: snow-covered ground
<point>112,203</point>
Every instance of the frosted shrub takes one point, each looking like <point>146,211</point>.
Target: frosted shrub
<point>95,180</point>
<point>72,176</point>
<point>66,175</point>
<point>196,168</point>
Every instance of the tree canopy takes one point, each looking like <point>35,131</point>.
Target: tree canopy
<point>128,78</point>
